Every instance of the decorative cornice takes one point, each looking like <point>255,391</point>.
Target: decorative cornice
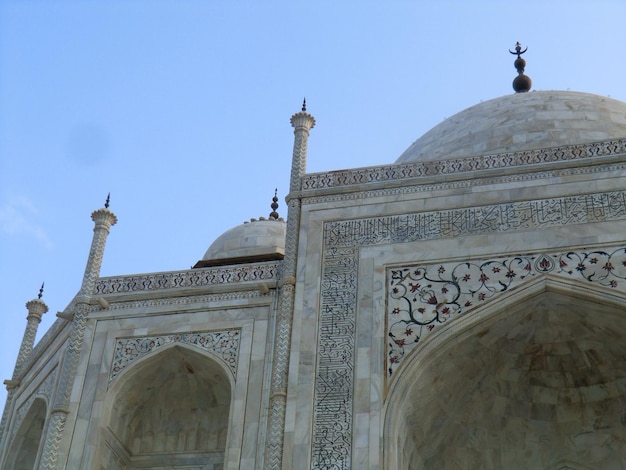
<point>460,166</point>
<point>221,275</point>
<point>460,183</point>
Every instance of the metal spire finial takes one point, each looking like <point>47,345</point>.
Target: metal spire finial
<point>40,291</point>
<point>304,104</point>
<point>274,206</point>
<point>522,83</point>
<point>106,203</point>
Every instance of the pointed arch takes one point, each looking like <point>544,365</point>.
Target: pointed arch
<point>25,446</point>
<point>531,378</point>
<point>171,407</point>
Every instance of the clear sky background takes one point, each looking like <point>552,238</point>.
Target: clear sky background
<point>181,110</point>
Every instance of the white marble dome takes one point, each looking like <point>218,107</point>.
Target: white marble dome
<point>522,121</point>
<point>255,240</point>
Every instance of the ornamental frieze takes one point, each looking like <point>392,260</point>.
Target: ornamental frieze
<point>424,298</point>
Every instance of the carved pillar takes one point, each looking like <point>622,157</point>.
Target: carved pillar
<point>36,308</point>
<point>302,122</point>
<point>103,219</point>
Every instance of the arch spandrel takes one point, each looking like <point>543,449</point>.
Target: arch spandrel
<point>425,299</point>
<point>539,379</point>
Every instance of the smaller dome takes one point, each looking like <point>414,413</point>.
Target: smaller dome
<point>257,240</point>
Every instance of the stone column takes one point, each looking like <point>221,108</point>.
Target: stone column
<point>302,122</point>
<point>103,219</point>
<point>36,308</point>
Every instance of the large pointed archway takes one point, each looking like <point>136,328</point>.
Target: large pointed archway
<point>169,410</point>
<point>24,448</point>
<point>541,380</point>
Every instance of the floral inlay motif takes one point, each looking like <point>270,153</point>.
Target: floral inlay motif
<point>225,344</point>
<point>423,298</point>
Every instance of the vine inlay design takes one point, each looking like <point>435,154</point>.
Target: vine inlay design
<point>422,298</point>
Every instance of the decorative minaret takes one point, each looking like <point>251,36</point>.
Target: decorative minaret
<point>36,308</point>
<point>521,83</point>
<point>302,122</point>
<point>103,219</point>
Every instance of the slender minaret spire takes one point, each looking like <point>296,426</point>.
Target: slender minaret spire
<point>36,308</point>
<point>521,83</point>
<point>302,122</point>
<point>103,220</point>
<point>274,215</point>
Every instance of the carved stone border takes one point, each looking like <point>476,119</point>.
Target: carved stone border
<point>334,382</point>
<point>224,344</point>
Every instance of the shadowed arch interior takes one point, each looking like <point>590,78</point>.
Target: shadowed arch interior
<point>25,445</point>
<point>543,383</point>
<point>171,409</point>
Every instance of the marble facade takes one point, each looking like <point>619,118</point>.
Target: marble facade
<point>462,312</point>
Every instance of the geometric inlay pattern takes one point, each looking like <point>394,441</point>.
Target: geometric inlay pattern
<point>225,344</point>
<point>423,298</point>
<point>342,239</point>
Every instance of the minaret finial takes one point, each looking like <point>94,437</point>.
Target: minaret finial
<point>522,83</point>
<point>40,291</point>
<point>274,206</point>
<point>304,104</point>
<point>106,203</point>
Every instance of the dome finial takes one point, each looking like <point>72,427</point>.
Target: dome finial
<point>40,291</point>
<point>274,206</point>
<point>106,203</point>
<point>304,104</point>
<point>522,83</point>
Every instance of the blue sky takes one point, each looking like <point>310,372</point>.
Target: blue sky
<point>181,110</point>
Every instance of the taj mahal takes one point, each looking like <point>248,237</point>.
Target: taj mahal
<point>463,307</point>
